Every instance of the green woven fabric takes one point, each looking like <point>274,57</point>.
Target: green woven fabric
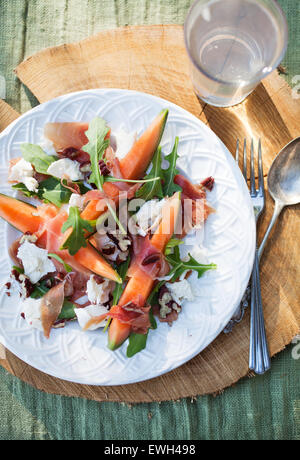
<point>266,407</point>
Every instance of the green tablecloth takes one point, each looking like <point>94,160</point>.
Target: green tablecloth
<point>266,407</point>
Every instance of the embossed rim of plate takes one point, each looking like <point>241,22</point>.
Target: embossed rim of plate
<point>243,193</point>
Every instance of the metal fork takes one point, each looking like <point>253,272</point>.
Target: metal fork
<point>259,358</point>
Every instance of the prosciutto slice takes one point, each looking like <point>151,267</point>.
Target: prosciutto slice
<point>148,259</point>
<point>51,306</point>
<point>195,207</point>
<point>135,316</point>
<point>64,135</point>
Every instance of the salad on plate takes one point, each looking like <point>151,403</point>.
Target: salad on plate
<point>103,219</point>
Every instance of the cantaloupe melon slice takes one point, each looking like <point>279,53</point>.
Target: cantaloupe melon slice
<point>20,215</point>
<point>25,218</point>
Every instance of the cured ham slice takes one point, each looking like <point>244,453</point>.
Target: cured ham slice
<point>131,315</point>
<point>194,204</point>
<point>64,135</point>
<point>67,135</point>
<point>148,259</point>
<point>51,306</point>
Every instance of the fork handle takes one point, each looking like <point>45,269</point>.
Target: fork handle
<point>259,358</point>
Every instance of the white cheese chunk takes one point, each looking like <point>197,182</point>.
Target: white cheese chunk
<point>149,216</point>
<point>31,184</point>
<point>180,291</point>
<point>77,201</point>
<point>84,315</point>
<point>124,142</point>
<point>47,146</point>
<point>23,172</point>
<point>98,294</point>
<point>35,261</point>
<point>31,310</point>
<point>66,168</point>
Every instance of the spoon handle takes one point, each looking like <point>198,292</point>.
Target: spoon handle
<point>277,210</point>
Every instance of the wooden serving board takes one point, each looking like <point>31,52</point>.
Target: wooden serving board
<point>153,59</point>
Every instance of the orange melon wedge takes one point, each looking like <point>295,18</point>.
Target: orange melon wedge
<point>24,218</point>
<point>20,215</point>
<point>136,162</point>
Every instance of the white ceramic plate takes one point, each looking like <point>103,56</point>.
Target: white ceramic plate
<point>229,239</point>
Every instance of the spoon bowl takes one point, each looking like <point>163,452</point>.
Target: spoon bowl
<point>284,175</point>
<point>283,183</point>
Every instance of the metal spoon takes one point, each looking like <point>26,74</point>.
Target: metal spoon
<point>283,183</point>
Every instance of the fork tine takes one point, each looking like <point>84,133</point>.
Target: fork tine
<point>237,151</point>
<point>252,173</point>
<point>245,160</point>
<point>260,170</point>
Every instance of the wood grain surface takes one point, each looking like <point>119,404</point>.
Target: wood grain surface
<point>153,59</point>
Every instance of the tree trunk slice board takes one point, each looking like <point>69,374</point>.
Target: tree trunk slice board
<point>7,115</point>
<point>153,59</point>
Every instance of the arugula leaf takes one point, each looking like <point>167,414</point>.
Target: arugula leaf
<point>171,245</point>
<point>40,290</point>
<point>23,189</point>
<point>53,191</point>
<point>37,157</point>
<point>137,343</point>
<point>128,181</point>
<point>67,311</point>
<point>59,259</point>
<point>18,269</point>
<point>169,187</point>
<point>180,266</point>
<point>122,270</point>
<point>152,189</point>
<point>96,147</point>
<point>76,240</point>
<point>152,320</point>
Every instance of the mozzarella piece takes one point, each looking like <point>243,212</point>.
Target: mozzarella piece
<point>84,315</point>
<point>31,184</point>
<point>23,172</point>
<point>77,201</point>
<point>98,294</point>
<point>31,309</point>
<point>35,260</point>
<point>149,216</point>
<point>66,167</point>
<point>47,146</point>
<point>180,291</point>
<point>124,142</point>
